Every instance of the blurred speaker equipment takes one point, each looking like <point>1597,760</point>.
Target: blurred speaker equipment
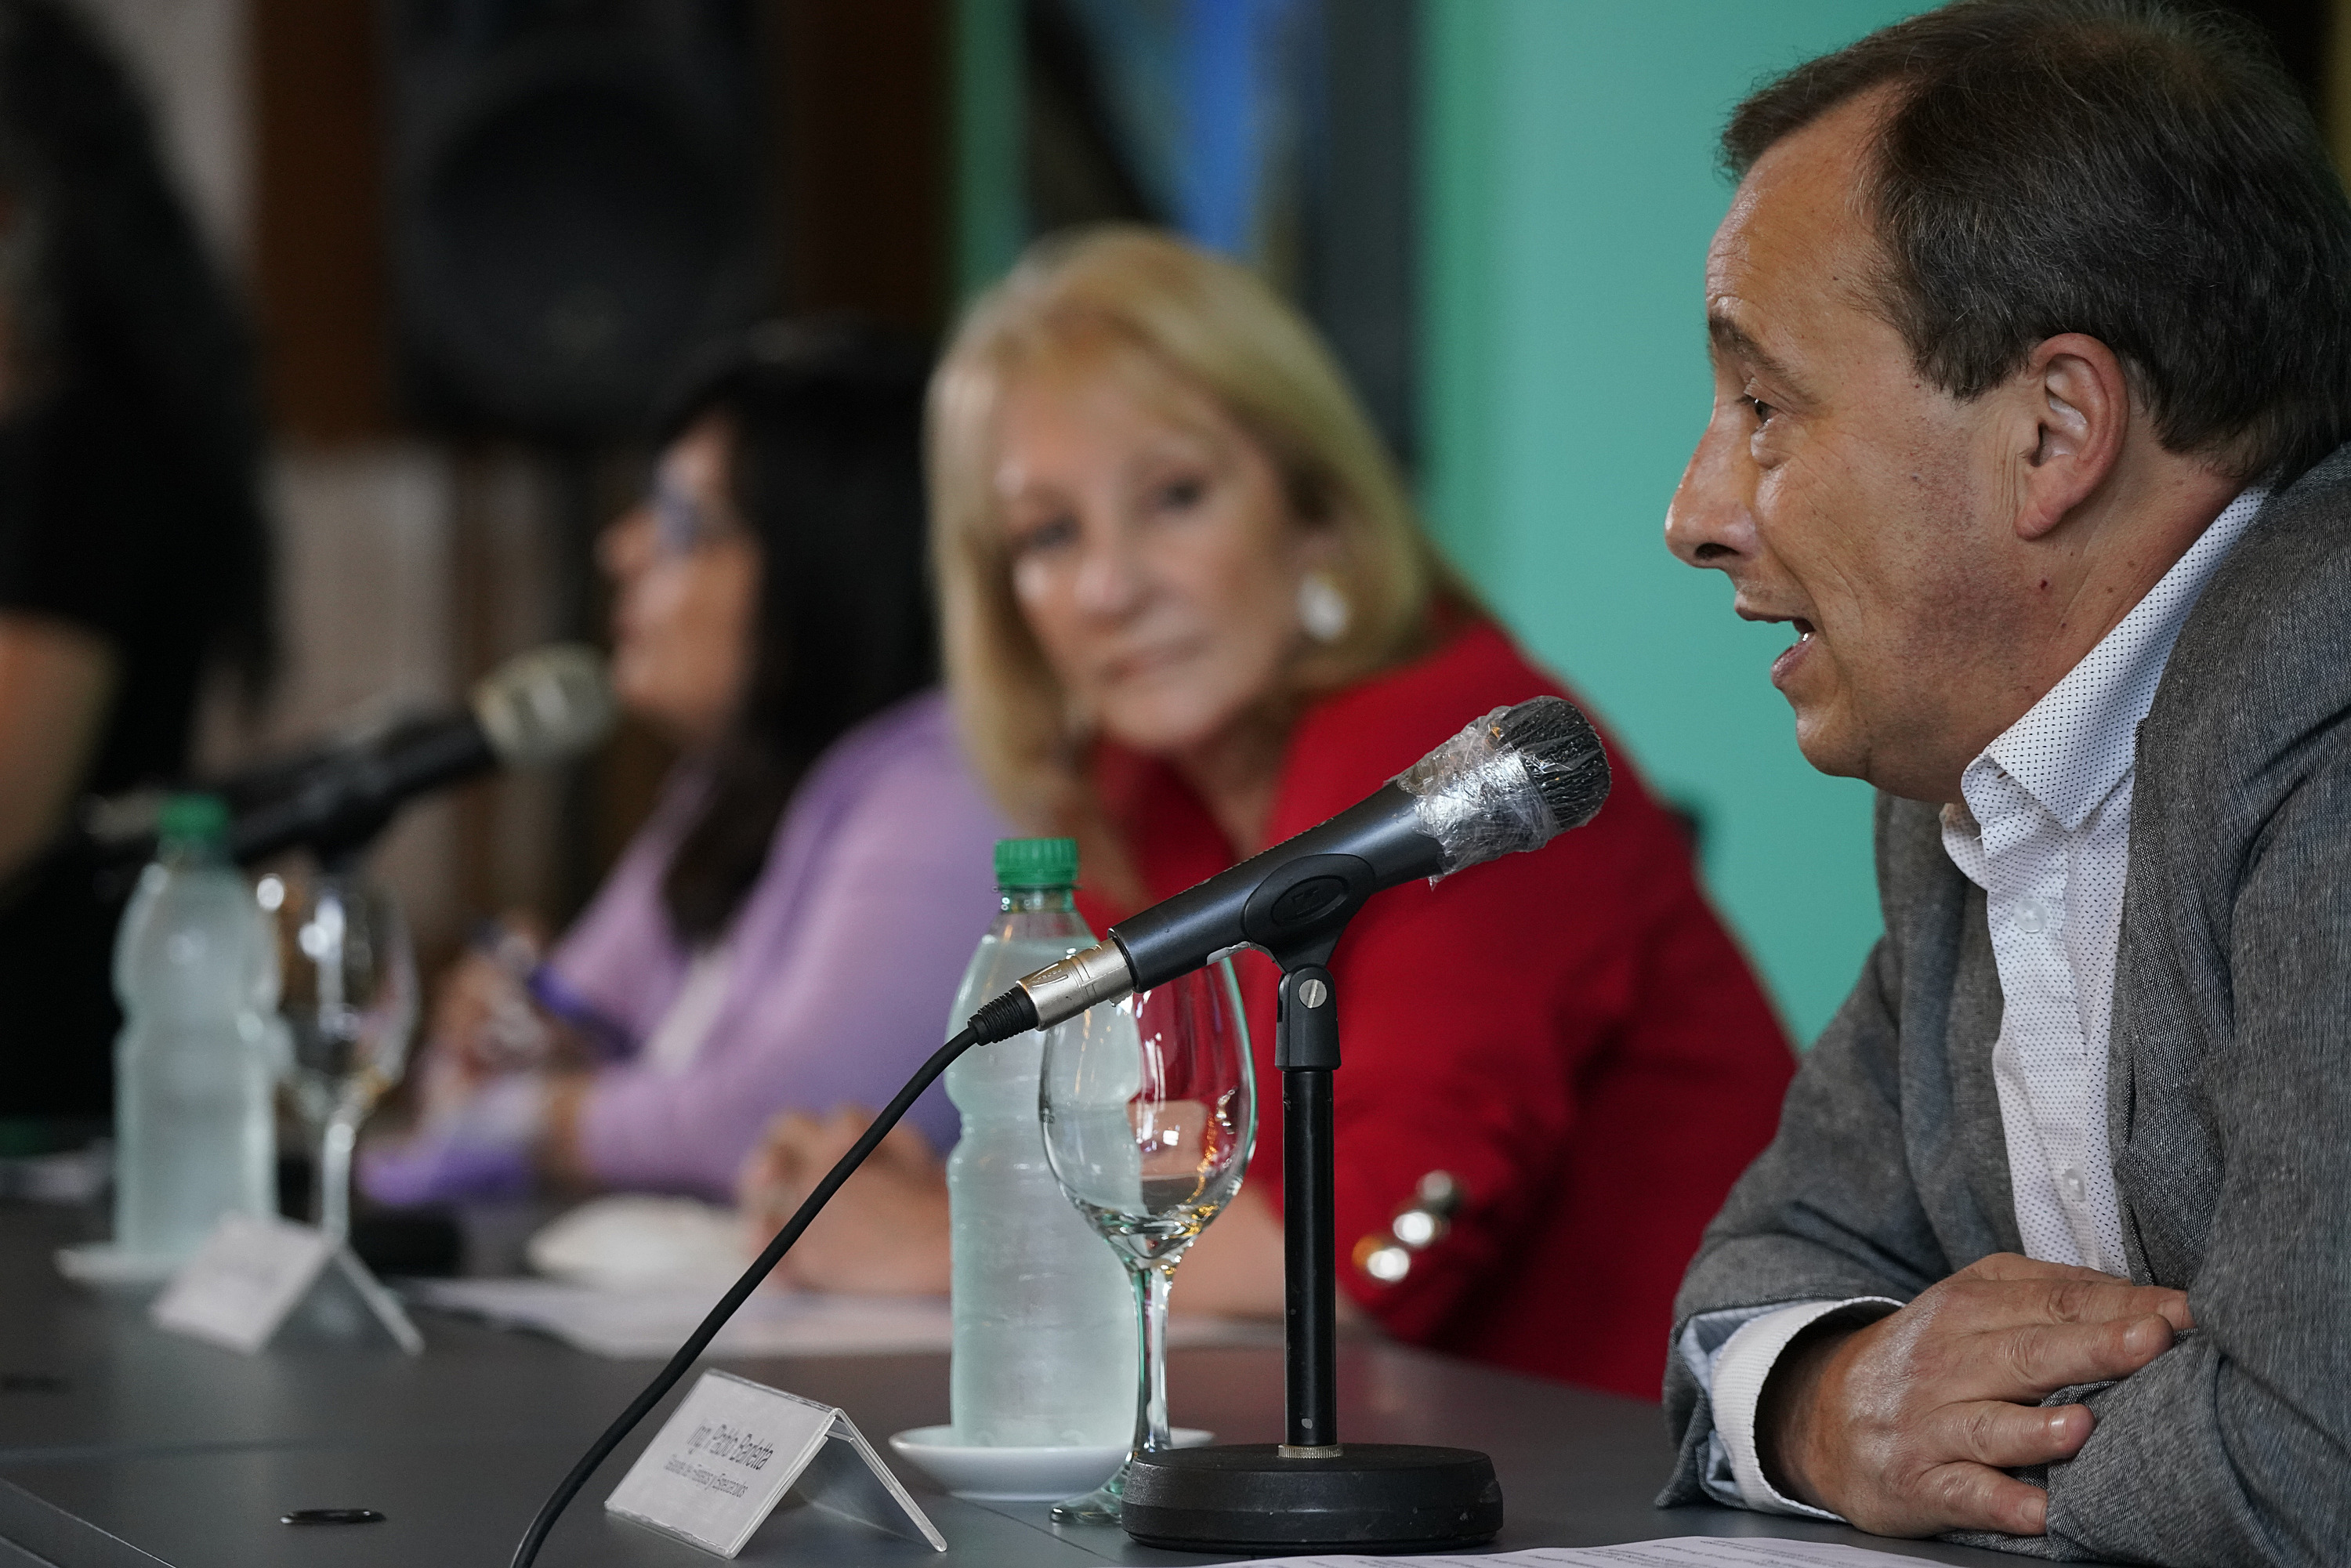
<point>573,192</point>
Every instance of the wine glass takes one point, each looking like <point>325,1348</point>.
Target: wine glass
<point>1150,1110</point>
<point>349,1005</point>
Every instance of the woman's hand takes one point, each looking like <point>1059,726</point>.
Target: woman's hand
<point>485,1022</point>
<point>885,1231</point>
<point>1235,1269</point>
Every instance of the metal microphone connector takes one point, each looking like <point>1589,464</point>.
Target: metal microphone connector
<point>1064,991</point>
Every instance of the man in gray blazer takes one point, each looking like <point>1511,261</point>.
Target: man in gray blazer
<point>2031,336</point>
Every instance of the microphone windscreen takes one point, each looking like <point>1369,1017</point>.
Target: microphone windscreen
<point>1513,780</point>
<point>1563,756</point>
<point>547,705</point>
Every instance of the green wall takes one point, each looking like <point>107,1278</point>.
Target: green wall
<point>1570,192</point>
<point>984,129</point>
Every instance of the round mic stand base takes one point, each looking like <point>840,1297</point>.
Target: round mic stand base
<point>1312,1490</point>
<point>1250,1498</point>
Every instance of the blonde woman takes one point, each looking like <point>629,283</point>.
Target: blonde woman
<point>1187,613</point>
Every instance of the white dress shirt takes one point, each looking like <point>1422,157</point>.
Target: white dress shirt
<point>2045,833</point>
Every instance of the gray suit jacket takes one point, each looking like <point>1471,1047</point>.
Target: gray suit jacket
<point>2229,1090</point>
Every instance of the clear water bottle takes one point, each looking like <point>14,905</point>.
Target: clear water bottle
<point>1044,1317</point>
<point>196,969</point>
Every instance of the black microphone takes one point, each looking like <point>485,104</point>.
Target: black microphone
<point>539,708</point>
<point>545,706</point>
<point>1514,780</point>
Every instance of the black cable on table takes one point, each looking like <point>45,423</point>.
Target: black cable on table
<point>1000,1020</point>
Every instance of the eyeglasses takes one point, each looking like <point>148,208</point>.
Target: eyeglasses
<point>683,524</point>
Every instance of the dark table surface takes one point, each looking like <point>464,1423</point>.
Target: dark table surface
<point>121,1444</point>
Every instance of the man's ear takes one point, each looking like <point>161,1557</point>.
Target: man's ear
<point>2078,402</point>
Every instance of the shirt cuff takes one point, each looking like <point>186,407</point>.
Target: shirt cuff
<point>1735,1386</point>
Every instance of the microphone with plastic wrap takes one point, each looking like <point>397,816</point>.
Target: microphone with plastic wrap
<point>1514,780</point>
<point>539,708</point>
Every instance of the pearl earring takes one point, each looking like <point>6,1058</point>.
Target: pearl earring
<point>1322,607</point>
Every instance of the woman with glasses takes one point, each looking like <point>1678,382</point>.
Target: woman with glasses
<point>789,928</point>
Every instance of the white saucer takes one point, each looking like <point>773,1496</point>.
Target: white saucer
<point>1016,1475</point>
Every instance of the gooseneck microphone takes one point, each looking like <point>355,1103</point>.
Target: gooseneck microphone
<point>1513,780</point>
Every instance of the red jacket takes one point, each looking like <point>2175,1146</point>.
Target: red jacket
<point>1571,1034</point>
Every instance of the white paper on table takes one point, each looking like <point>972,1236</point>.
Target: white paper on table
<point>648,1324</point>
<point>1681,1552</point>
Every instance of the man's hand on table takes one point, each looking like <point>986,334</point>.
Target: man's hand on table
<point>1905,1425</point>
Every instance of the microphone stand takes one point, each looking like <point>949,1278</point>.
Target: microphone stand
<point>1311,1490</point>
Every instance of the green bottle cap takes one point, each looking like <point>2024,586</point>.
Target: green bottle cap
<point>193,821</point>
<point>1036,863</point>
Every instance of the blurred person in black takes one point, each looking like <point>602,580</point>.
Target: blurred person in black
<point>133,556</point>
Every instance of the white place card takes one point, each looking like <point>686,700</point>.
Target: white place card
<point>721,1464</point>
<point>252,1274</point>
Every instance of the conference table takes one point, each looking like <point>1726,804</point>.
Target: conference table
<point>123,1444</point>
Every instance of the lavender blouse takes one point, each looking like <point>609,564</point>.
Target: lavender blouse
<point>839,969</point>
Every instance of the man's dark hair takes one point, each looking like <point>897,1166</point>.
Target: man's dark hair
<point>2119,168</point>
<point>827,474</point>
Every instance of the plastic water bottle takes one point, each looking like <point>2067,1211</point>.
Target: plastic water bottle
<point>1044,1317</point>
<point>196,969</point>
